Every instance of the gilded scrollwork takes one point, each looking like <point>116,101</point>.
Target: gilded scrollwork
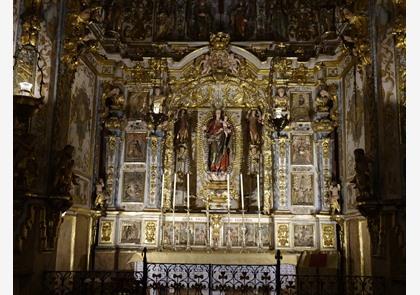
<point>268,169</point>
<point>168,166</point>
<point>282,174</point>
<point>328,236</point>
<point>153,170</point>
<point>283,235</point>
<point>150,235</point>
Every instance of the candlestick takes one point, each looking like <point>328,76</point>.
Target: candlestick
<point>162,197</point>
<point>258,191</point>
<point>228,192</point>
<point>173,198</point>
<point>242,192</point>
<point>173,214</point>
<point>188,191</point>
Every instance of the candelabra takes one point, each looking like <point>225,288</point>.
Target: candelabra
<point>155,119</point>
<point>279,120</point>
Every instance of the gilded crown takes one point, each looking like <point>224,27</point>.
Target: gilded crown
<point>219,41</point>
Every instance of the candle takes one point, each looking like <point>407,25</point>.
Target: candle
<point>173,198</point>
<point>163,184</point>
<point>242,192</point>
<point>228,192</point>
<point>188,190</point>
<point>258,191</point>
<point>156,107</point>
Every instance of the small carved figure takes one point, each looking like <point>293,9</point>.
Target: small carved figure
<point>181,127</point>
<point>205,65</point>
<point>64,176</point>
<point>255,123</point>
<point>362,179</point>
<point>100,200</point>
<point>158,100</point>
<point>334,192</point>
<point>234,63</point>
<point>323,102</point>
<point>113,96</point>
<point>281,100</point>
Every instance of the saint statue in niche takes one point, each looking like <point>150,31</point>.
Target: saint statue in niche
<point>255,124</point>
<point>181,140</point>
<point>181,127</point>
<point>218,133</point>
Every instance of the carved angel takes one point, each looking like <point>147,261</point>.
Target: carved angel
<point>100,200</point>
<point>205,65</point>
<point>234,63</point>
<point>334,196</point>
<point>324,102</point>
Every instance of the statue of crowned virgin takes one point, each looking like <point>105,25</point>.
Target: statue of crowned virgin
<point>218,134</point>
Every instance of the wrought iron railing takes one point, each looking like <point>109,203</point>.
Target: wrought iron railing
<point>208,279</point>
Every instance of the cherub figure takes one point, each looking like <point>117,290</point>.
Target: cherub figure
<point>100,200</point>
<point>323,102</point>
<point>205,65</point>
<point>334,196</point>
<point>234,63</point>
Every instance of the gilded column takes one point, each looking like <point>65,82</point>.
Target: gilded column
<point>325,172</point>
<point>268,169</point>
<point>113,146</point>
<point>114,124</point>
<point>168,164</point>
<point>283,145</point>
<point>152,169</point>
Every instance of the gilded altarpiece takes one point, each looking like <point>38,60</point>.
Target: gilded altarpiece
<point>173,177</point>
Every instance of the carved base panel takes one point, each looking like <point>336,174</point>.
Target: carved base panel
<point>215,231</point>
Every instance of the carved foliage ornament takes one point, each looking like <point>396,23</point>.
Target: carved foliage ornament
<point>150,231</point>
<point>283,235</point>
